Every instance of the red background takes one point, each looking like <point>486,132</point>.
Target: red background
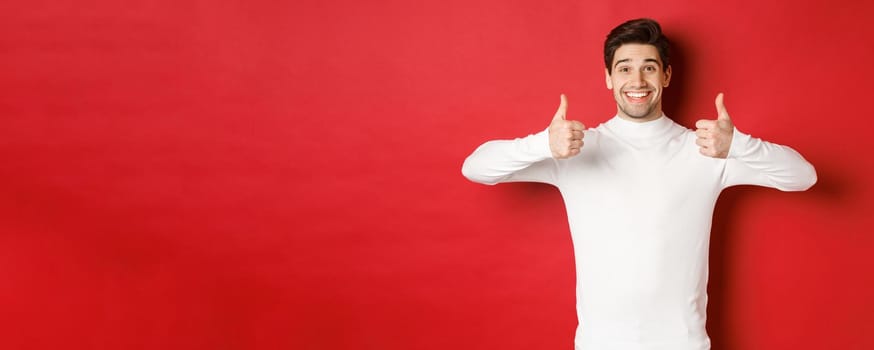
<point>286,175</point>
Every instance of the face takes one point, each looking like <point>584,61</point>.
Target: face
<point>638,81</point>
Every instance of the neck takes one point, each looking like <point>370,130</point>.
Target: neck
<point>655,114</point>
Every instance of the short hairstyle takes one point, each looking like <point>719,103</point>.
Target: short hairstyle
<point>637,31</point>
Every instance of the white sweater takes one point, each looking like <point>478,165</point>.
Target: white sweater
<point>640,199</point>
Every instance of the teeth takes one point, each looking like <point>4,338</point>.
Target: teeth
<point>636,94</point>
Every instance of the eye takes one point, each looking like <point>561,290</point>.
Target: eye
<point>649,69</point>
<point>623,69</point>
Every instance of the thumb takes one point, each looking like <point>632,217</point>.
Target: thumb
<point>562,109</point>
<point>721,112</point>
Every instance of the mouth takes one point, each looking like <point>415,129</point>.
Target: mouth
<point>637,96</point>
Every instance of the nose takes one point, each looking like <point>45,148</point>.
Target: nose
<point>637,78</point>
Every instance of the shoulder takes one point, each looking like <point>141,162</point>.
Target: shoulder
<point>598,131</point>
<point>682,133</point>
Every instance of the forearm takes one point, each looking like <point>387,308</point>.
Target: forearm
<point>521,159</point>
<point>767,164</point>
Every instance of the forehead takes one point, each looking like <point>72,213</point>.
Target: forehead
<point>636,53</point>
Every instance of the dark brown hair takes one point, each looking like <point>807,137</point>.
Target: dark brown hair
<point>637,31</point>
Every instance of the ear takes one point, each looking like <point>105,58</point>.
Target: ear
<point>607,79</point>
<point>668,76</point>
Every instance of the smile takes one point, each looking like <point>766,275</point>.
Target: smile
<point>637,94</point>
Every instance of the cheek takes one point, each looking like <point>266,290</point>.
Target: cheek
<point>617,83</point>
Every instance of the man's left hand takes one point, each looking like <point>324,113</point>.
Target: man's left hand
<point>714,136</point>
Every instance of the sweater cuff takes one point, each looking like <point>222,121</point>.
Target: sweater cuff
<point>739,144</point>
<point>539,144</point>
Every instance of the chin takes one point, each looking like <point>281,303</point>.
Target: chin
<point>641,115</point>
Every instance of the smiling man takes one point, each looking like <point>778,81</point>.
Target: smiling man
<point>639,192</point>
<point>637,81</point>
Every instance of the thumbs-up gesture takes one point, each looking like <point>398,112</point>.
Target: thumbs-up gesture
<point>714,136</point>
<point>565,136</point>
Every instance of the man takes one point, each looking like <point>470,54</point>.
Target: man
<point>639,192</point>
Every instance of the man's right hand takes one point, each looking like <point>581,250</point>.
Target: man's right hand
<point>565,136</point>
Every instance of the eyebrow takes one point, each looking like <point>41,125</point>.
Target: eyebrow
<point>629,60</point>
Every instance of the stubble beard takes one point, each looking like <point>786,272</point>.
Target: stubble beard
<point>643,112</point>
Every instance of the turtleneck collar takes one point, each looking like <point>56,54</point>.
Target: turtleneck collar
<point>634,130</point>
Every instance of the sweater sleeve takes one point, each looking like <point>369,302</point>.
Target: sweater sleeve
<point>752,161</point>
<point>521,159</point>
